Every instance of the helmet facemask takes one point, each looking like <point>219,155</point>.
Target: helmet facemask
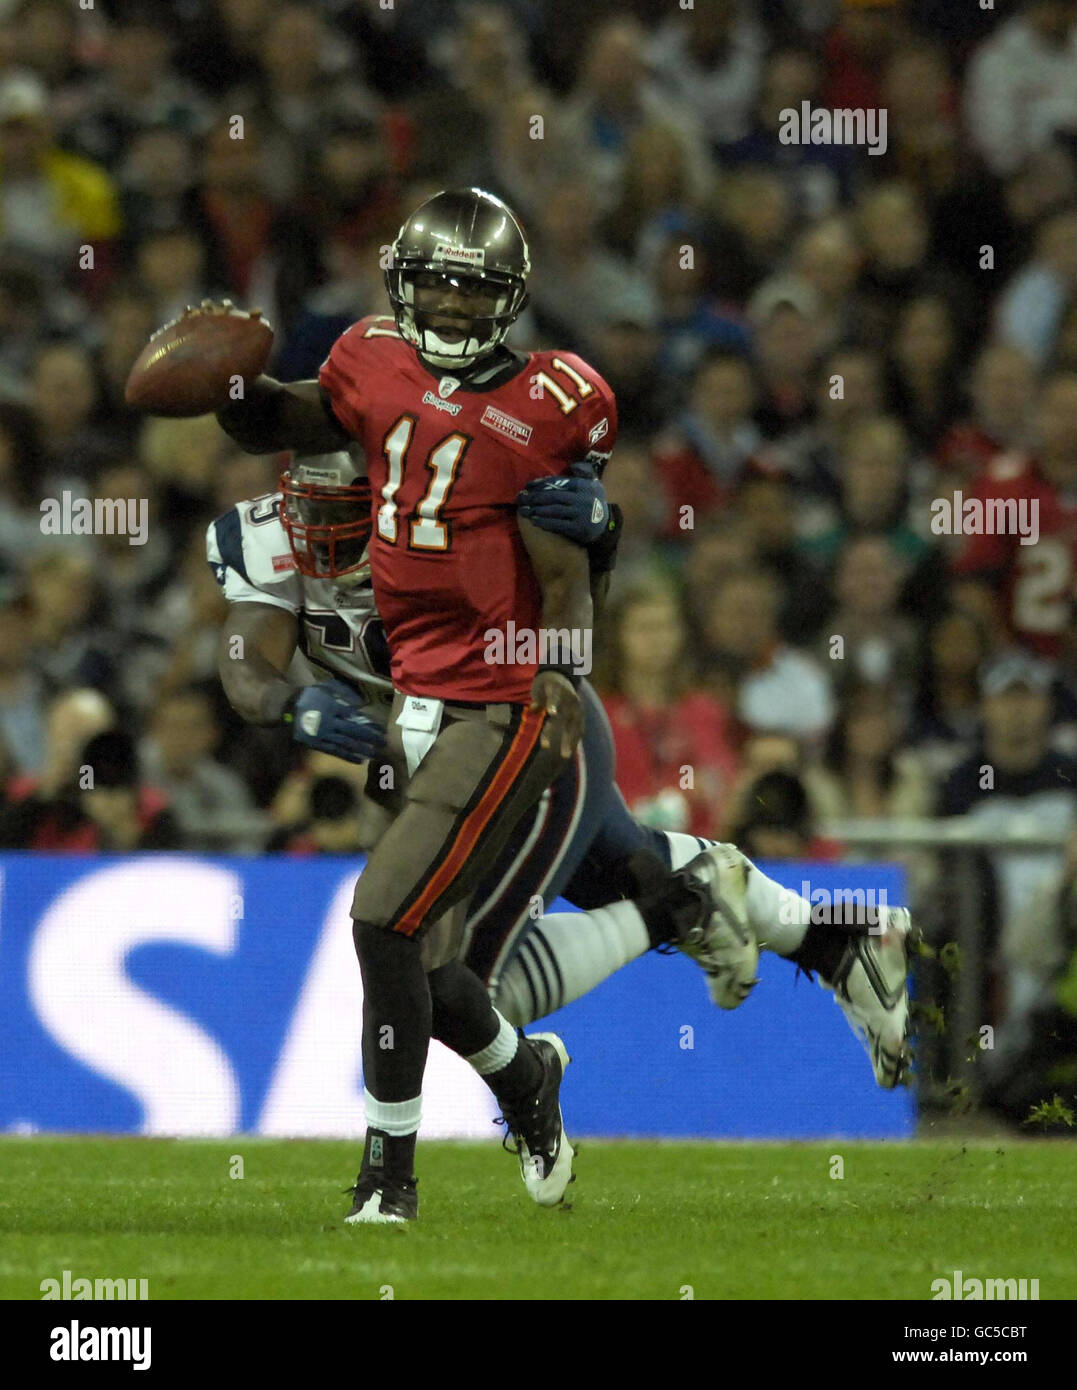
<point>498,299</point>
<point>328,522</point>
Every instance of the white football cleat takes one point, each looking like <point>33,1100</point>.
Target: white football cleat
<point>871,985</point>
<point>723,945</point>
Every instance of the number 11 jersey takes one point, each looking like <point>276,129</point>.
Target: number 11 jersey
<point>446,460</point>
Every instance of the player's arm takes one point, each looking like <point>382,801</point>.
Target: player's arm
<point>274,416</point>
<point>563,576</point>
<point>258,641</point>
<point>576,507</point>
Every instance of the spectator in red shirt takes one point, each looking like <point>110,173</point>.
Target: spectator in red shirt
<point>104,807</point>
<point>703,461</point>
<point>675,758</point>
<point>1033,574</point>
<point>1001,389</point>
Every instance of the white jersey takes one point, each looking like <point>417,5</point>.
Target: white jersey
<point>340,633</point>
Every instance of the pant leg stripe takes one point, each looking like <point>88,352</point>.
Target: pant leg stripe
<point>473,822</point>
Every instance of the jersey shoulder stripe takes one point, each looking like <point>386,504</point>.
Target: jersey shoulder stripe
<point>249,554</point>
<point>228,534</point>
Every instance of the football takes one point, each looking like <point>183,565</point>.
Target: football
<point>192,365</point>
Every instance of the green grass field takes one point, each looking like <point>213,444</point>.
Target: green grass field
<point>730,1220</point>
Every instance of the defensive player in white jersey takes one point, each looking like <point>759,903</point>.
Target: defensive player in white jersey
<point>581,843</point>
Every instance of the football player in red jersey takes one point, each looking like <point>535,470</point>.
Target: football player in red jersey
<point>513,419</point>
<point>453,425</point>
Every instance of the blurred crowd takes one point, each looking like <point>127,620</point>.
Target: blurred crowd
<point>811,344</point>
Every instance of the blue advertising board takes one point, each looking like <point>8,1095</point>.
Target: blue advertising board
<point>180,994</point>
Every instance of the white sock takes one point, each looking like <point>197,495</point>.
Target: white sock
<point>565,955</point>
<point>778,916</point>
<point>498,1053</point>
<point>395,1117</point>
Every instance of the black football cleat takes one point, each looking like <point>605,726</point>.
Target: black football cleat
<point>536,1128</point>
<point>383,1201</point>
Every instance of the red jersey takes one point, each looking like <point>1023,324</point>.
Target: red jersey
<point>449,568</point>
<point>1038,582</point>
<point>675,765</point>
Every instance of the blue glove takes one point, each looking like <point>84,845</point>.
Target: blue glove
<point>573,507</point>
<point>327,717</point>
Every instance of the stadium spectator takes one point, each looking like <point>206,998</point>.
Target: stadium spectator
<point>787,344</point>
<point>658,190</point>
<point>871,776</point>
<point>136,88</point>
<point>858,48</point>
<point>126,321</point>
<point>1001,392</point>
<point>20,481</point>
<point>103,807</point>
<point>22,689</point>
<point>775,687</point>
<point>877,641</point>
<point>819,175</point>
<point>946,711</point>
<point>675,758</point>
<point>51,201</point>
<point>777,821</point>
<point>183,460</point>
<point>923,137</point>
<point>613,96</point>
<point>827,259</point>
<point>634,487</point>
<point>1022,85</point>
<point>584,285</point>
<point>874,496</point>
<point>766,510</point>
<point>70,643</point>
<point>924,366</point>
<point>1030,311</point>
<point>72,719</point>
<point>896,235</point>
<point>709,61</point>
<point>704,457</point>
<point>848,392</point>
<point>1029,562</point>
<point>1036,1047</point>
<point>332,826</point>
<point>211,804</point>
<point>65,398</point>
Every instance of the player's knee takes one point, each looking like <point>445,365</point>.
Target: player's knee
<point>374,941</point>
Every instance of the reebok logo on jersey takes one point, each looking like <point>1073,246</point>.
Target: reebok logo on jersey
<point>283,562</point>
<point>438,404</point>
<point>464,255</point>
<point>599,431</point>
<point>507,425</point>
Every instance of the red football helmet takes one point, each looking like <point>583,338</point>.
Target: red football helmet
<point>328,517</point>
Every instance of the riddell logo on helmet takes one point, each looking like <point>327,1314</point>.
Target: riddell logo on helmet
<point>466,255</point>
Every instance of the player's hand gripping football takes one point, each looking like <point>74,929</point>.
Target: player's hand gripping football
<point>558,697</point>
